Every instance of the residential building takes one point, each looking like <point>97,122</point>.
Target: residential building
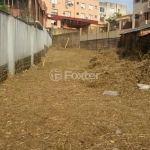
<point>80,13</point>
<point>141,13</point>
<point>34,10</point>
<point>107,9</point>
<point>71,13</point>
<point>124,21</point>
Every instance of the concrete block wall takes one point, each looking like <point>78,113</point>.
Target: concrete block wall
<point>61,40</point>
<point>100,43</point>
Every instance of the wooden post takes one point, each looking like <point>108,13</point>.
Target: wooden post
<point>67,43</point>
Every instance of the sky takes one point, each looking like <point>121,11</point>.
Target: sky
<point>128,3</point>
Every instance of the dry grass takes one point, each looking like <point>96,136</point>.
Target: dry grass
<point>39,114</point>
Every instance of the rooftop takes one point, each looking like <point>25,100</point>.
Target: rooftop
<point>138,29</point>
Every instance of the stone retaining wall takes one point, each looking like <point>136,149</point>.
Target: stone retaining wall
<point>100,43</point>
<point>22,64</point>
<point>61,40</point>
<point>3,72</point>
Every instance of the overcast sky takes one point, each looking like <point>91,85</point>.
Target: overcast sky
<point>128,3</point>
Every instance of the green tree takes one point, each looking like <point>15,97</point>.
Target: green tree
<point>26,15</point>
<point>117,14</point>
<point>111,20</point>
<point>4,7</point>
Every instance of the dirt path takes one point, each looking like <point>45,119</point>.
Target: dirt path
<point>40,114</point>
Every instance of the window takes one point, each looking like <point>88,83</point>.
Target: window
<point>90,17</point>
<point>83,16</point>
<point>95,16</point>
<point>54,1</point>
<point>68,13</point>
<point>137,1</point>
<point>69,3</point>
<point>55,11</point>
<point>112,10</point>
<point>53,22</point>
<point>146,16</point>
<point>90,7</point>
<point>137,16</point>
<point>83,5</point>
<point>77,3</point>
<point>101,19</point>
<point>102,9</point>
<point>77,13</point>
<point>119,11</point>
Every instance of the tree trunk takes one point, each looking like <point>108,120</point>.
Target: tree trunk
<point>29,4</point>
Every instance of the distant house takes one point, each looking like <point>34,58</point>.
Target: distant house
<point>126,21</point>
<point>107,9</point>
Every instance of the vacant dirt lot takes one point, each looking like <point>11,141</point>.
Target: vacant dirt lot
<point>37,113</point>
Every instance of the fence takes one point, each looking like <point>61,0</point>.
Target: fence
<point>102,35</point>
<point>21,45</point>
<point>101,40</point>
<point>61,31</point>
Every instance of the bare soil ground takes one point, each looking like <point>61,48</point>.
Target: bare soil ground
<point>37,113</point>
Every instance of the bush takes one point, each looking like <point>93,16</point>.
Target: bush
<point>4,8</point>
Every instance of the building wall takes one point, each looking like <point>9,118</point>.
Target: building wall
<point>74,9</point>
<point>21,45</point>
<point>141,8</point>
<point>110,9</point>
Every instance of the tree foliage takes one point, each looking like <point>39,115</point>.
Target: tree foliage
<point>4,7</point>
<point>112,20</point>
<point>26,15</point>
